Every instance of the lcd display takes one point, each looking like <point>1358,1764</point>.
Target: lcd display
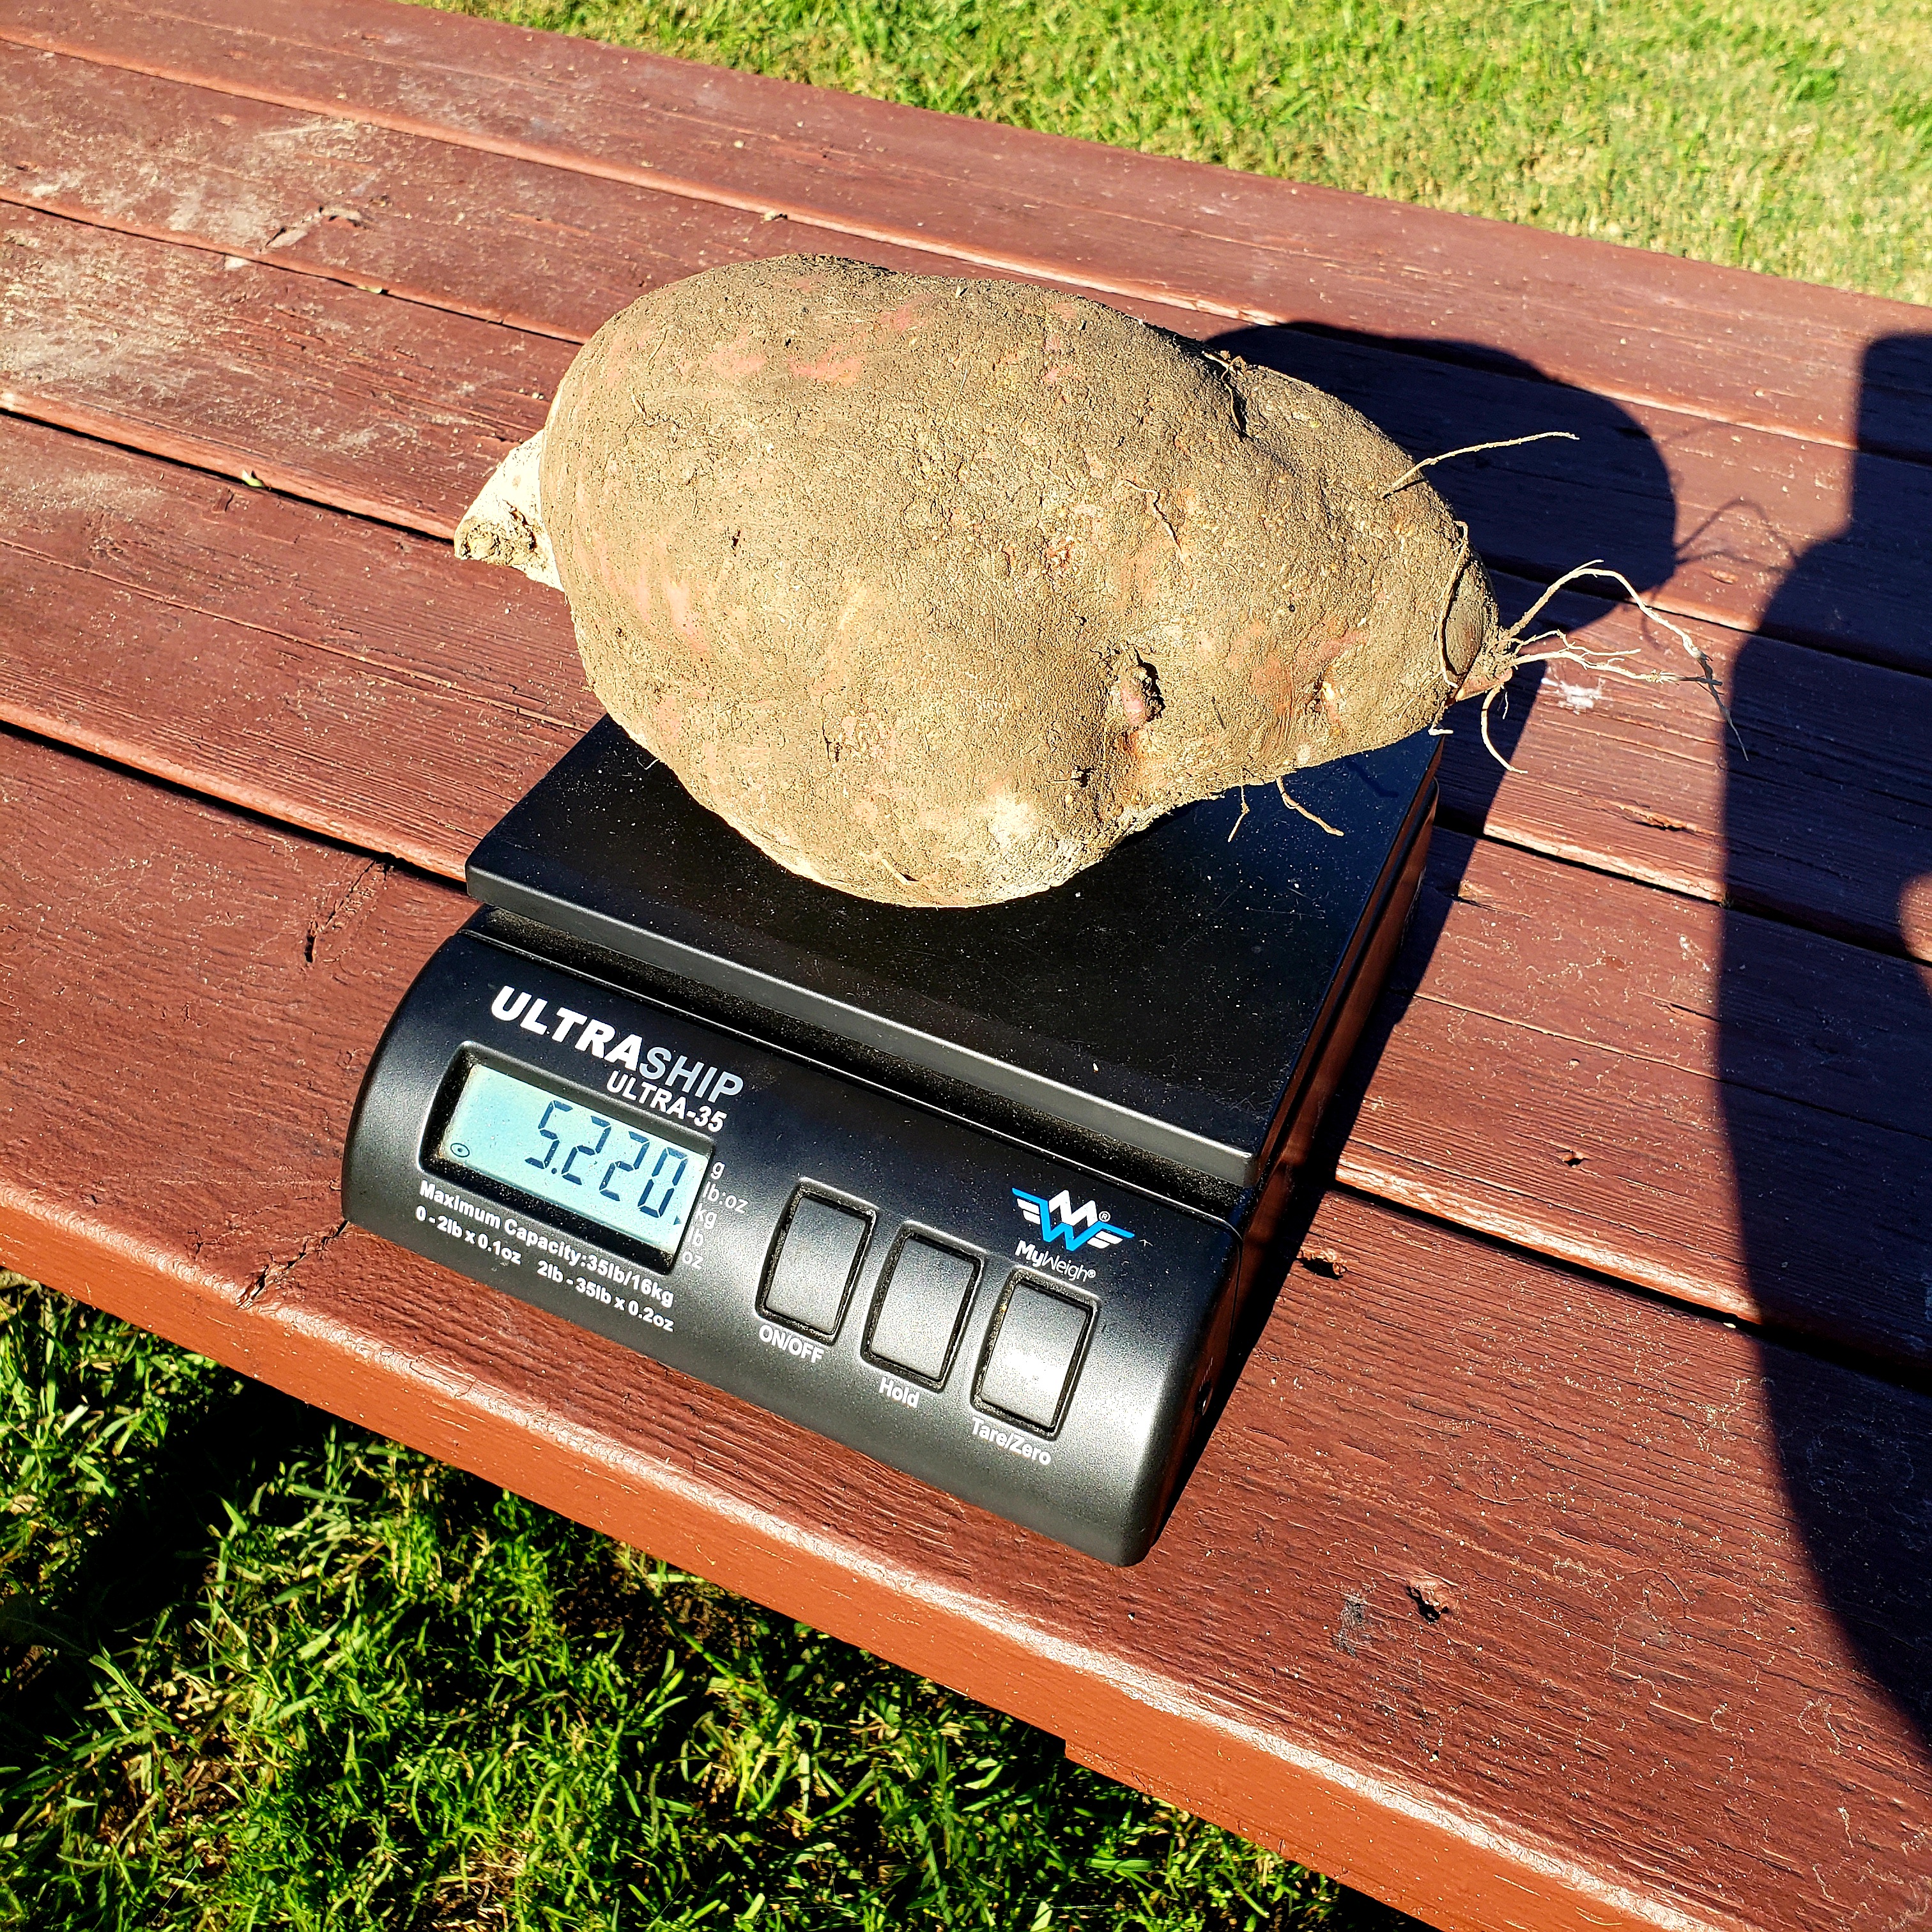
<point>640,1184</point>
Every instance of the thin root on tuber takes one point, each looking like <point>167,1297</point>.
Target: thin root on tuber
<point>1415,470</point>
<point>1599,663</point>
<point>1295,805</point>
<point>1239,822</point>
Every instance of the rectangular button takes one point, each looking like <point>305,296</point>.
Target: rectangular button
<point>1032,1356</point>
<point>919,1308</point>
<point>817,1255</point>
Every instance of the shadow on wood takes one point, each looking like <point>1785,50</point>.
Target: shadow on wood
<point>1643,530</point>
<point>1852,1483</point>
<point>1523,517</point>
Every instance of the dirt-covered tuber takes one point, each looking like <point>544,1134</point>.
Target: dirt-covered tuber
<point>936,589</point>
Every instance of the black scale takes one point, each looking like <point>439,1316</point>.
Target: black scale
<point>980,1192</point>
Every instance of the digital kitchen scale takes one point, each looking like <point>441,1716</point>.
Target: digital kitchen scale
<point>979,1193</point>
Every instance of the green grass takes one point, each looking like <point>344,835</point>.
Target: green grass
<point>259,1668</point>
<point>1785,135</point>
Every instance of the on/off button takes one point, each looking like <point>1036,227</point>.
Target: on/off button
<point>811,1269</point>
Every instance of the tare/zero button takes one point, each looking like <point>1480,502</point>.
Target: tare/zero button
<point>1032,1355</point>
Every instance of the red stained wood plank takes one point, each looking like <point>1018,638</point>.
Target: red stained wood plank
<point>1724,1109</point>
<point>153,921</point>
<point>357,681</point>
<point>1482,1558</point>
<point>1633,783</point>
<point>542,248</point>
<point>386,408</point>
<point>396,409</point>
<point>1644,327</point>
<point>348,677</point>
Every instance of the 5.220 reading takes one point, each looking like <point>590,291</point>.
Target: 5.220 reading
<point>666,1186</point>
<point>639,1184</point>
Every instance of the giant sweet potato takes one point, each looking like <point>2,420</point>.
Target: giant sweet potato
<point>937,588</point>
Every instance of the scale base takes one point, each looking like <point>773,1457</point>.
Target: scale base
<point>982,1194</point>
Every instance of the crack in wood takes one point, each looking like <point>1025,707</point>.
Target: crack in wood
<point>349,905</point>
<point>276,1274</point>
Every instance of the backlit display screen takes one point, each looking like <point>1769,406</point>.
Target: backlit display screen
<point>638,1183</point>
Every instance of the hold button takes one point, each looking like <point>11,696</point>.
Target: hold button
<point>1031,1359</point>
<point>915,1318</point>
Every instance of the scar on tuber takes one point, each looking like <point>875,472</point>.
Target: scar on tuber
<point>937,590</point>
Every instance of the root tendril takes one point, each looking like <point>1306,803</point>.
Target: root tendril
<point>1414,470</point>
<point>1295,805</point>
<point>1489,743</point>
<point>1602,662</point>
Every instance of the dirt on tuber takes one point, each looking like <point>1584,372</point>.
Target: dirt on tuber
<point>936,589</point>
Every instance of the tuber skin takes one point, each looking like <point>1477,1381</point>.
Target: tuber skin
<point>938,590</point>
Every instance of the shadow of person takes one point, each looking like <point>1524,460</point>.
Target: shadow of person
<point>1835,1232</point>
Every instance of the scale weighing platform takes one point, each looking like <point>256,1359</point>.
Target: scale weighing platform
<point>980,1192</point>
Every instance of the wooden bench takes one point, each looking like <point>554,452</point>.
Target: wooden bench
<point>1563,1555</point>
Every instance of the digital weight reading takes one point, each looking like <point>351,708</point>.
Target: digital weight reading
<point>568,1154</point>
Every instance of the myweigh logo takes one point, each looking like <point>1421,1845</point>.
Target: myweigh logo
<point>1059,1220</point>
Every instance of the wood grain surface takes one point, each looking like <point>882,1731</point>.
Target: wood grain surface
<point>1744,348</point>
<point>1737,525</point>
<point>538,246</point>
<point>350,678</point>
<point>1566,1573</point>
<point>1638,1082</point>
<point>1483,1554</point>
<point>358,682</point>
<point>1816,809</point>
<point>387,408</point>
